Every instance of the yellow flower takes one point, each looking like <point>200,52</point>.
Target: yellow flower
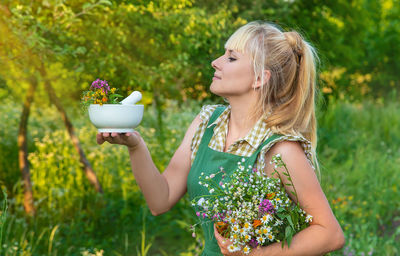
<point>246,249</point>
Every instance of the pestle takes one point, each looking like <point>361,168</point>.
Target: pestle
<point>132,99</point>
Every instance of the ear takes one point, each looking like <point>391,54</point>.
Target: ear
<point>257,84</point>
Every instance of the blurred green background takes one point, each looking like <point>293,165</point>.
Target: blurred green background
<point>164,49</point>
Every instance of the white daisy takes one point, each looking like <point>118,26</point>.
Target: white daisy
<point>270,237</point>
<point>247,226</point>
<point>235,228</point>
<point>246,249</point>
<point>231,248</point>
<point>260,239</point>
<point>246,238</point>
<point>266,218</point>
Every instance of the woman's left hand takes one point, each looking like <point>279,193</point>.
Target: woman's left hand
<point>224,243</point>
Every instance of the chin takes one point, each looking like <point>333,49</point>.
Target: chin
<point>213,91</point>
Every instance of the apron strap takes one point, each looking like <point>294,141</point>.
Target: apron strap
<point>208,133</point>
<point>252,159</point>
<point>217,112</point>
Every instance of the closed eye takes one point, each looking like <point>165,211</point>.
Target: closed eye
<point>231,59</point>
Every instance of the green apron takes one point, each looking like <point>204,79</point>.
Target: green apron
<point>209,161</point>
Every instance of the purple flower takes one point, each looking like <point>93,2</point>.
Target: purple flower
<point>198,214</point>
<point>253,243</point>
<point>100,84</point>
<point>266,207</point>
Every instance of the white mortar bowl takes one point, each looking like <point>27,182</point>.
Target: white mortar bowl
<point>115,117</point>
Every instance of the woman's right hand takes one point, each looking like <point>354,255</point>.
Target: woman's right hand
<point>129,139</point>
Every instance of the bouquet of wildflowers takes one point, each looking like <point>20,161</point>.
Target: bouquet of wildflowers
<point>100,93</point>
<point>251,209</point>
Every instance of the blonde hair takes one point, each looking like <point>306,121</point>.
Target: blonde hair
<point>287,97</point>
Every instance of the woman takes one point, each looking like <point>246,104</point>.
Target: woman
<point>268,78</point>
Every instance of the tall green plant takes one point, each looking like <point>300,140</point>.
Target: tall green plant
<point>3,217</point>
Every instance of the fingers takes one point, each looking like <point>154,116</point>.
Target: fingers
<point>105,136</point>
<point>129,139</point>
<point>222,242</point>
<point>99,138</point>
<point>112,138</point>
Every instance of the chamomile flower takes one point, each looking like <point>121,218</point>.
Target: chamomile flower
<point>260,239</point>
<point>309,218</point>
<point>246,249</point>
<point>266,218</point>
<point>235,228</point>
<point>246,237</point>
<point>231,220</point>
<point>234,237</point>
<point>247,226</point>
<point>233,248</point>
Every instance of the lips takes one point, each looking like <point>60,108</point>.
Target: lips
<point>217,77</point>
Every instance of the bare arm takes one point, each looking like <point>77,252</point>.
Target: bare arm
<point>324,234</point>
<point>161,191</point>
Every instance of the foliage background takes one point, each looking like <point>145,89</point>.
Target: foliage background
<point>164,49</point>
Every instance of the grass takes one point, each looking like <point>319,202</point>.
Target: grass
<point>357,150</point>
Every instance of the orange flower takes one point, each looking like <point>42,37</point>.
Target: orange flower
<point>256,223</point>
<point>221,226</point>
<point>270,195</point>
<point>104,99</point>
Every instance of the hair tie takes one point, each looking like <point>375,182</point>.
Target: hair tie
<point>295,42</point>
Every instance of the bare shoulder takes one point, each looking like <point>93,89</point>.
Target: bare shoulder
<point>192,128</point>
<point>286,148</point>
<point>292,154</point>
<point>295,159</point>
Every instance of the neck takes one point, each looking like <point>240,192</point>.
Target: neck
<point>242,117</point>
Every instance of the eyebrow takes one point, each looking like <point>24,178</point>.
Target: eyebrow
<point>232,51</point>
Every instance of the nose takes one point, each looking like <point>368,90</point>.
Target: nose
<point>215,64</point>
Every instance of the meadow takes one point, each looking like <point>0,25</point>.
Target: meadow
<point>358,153</point>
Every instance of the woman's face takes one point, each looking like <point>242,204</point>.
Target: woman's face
<point>234,75</point>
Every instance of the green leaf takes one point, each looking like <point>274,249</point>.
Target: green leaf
<point>290,220</point>
<point>86,5</point>
<point>105,2</point>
